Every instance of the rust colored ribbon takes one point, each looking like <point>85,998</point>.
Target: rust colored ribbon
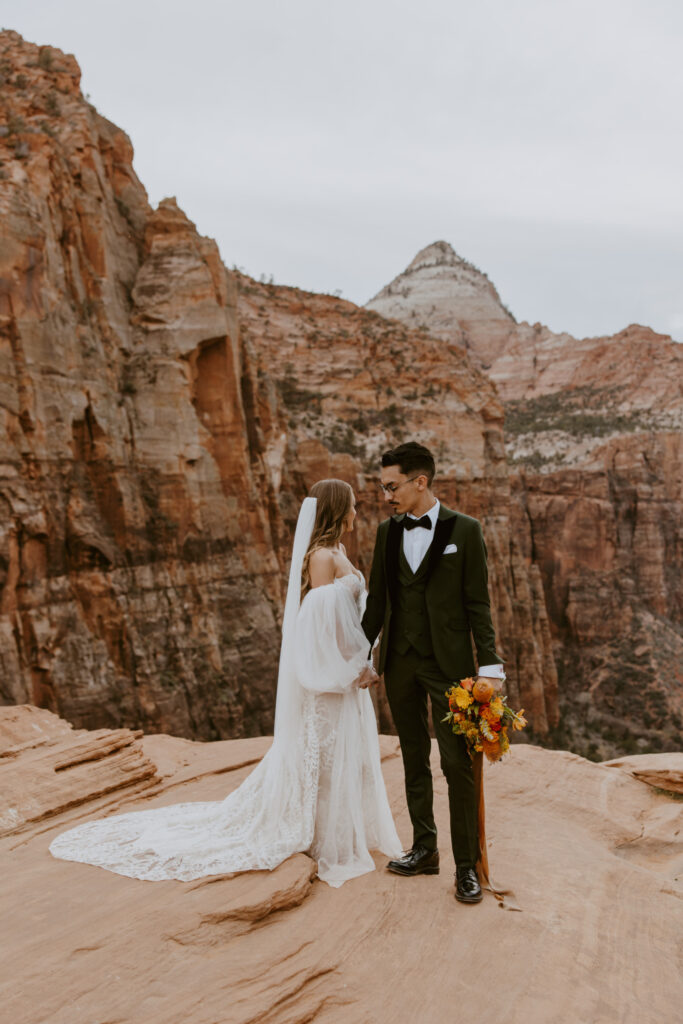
<point>506,897</point>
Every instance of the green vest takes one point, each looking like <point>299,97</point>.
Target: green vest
<point>409,618</point>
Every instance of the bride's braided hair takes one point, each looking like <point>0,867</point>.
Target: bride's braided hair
<point>334,500</point>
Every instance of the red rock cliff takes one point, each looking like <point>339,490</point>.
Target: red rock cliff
<point>138,578</point>
<point>594,434</point>
<point>161,420</point>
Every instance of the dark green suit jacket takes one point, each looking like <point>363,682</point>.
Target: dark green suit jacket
<point>457,593</point>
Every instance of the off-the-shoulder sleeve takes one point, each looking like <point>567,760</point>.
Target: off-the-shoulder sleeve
<point>331,647</point>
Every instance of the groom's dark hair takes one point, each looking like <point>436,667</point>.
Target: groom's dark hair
<point>411,458</point>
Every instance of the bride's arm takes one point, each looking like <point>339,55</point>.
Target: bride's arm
<point>331,650</point>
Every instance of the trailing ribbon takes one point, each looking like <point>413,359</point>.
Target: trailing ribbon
<point>506,897</point>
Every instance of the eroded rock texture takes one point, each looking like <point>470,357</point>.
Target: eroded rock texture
<point>158,434</point>
<point>592,852</point>
<point>138,576</point>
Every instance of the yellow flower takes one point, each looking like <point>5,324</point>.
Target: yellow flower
<point>497,706</point>
<point>520,721</point>
<point>462,698</point>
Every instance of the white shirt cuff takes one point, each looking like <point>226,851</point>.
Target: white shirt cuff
<point>492,671</point>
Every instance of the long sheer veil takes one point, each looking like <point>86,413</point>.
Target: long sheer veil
<point>262,822</point>
<point>289,693</point>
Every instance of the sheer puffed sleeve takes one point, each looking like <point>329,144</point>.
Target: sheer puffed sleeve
<point>331,647</point>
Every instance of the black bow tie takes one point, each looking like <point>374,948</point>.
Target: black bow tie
<point>410,524</point>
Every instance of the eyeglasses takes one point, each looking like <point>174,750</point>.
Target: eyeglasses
<point>392,488</point>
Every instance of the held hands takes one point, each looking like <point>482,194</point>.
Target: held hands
<point>368,677</point>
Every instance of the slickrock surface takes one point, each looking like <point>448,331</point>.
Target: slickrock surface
<point>659,770</point>
<point>158,431</point>
<point>593,431</point>
<point>595,858</point>
<point>46,767</point>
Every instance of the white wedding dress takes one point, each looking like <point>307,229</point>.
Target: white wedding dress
<point>319,789</point>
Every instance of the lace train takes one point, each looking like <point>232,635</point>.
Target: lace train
<point>320,792</point>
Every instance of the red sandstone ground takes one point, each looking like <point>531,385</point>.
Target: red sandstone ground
<point>594,855</point>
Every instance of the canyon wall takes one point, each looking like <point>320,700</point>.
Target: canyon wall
<point>139,581</point>
<point>161,419</point>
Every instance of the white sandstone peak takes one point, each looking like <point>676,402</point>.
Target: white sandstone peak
<point>437,254</point>
<point>450,297</point>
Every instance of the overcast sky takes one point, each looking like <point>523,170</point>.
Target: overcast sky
<point>326,144</point>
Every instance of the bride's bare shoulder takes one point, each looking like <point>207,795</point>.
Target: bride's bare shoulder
<point>321,556</point>
<point>321,567</point>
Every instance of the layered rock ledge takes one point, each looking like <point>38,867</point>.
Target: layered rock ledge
<point>595,857</point>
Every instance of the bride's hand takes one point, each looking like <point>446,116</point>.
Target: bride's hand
<point>368,677</point>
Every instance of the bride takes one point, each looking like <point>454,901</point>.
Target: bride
<point>319,789</point>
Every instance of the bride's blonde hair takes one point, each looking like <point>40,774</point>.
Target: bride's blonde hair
<point>334,500</point>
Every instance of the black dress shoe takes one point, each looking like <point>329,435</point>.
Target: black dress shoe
<point>467,888</point>
<point>418,861</point>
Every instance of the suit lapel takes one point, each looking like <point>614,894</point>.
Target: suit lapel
<point>392,555</point>
<point>442,531</point>
<point>403,561</point>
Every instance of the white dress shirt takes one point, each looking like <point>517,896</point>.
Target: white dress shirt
<point>415,546</point>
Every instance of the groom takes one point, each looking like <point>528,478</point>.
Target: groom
<point>428,591</point>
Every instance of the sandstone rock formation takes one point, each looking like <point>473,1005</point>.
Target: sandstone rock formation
<point>161,420</point>
<point>595,858</point>
<point>662,772</point>
<point>593,439</point>
<point>449,297</point>
<point>139,582</point>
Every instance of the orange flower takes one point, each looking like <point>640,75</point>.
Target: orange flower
<point>487,712</point>
<point>483,690</point>
<point>492,750</point>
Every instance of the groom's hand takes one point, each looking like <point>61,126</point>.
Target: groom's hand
<point>368,677</point>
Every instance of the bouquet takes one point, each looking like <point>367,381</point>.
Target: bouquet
<point>482,718</point>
